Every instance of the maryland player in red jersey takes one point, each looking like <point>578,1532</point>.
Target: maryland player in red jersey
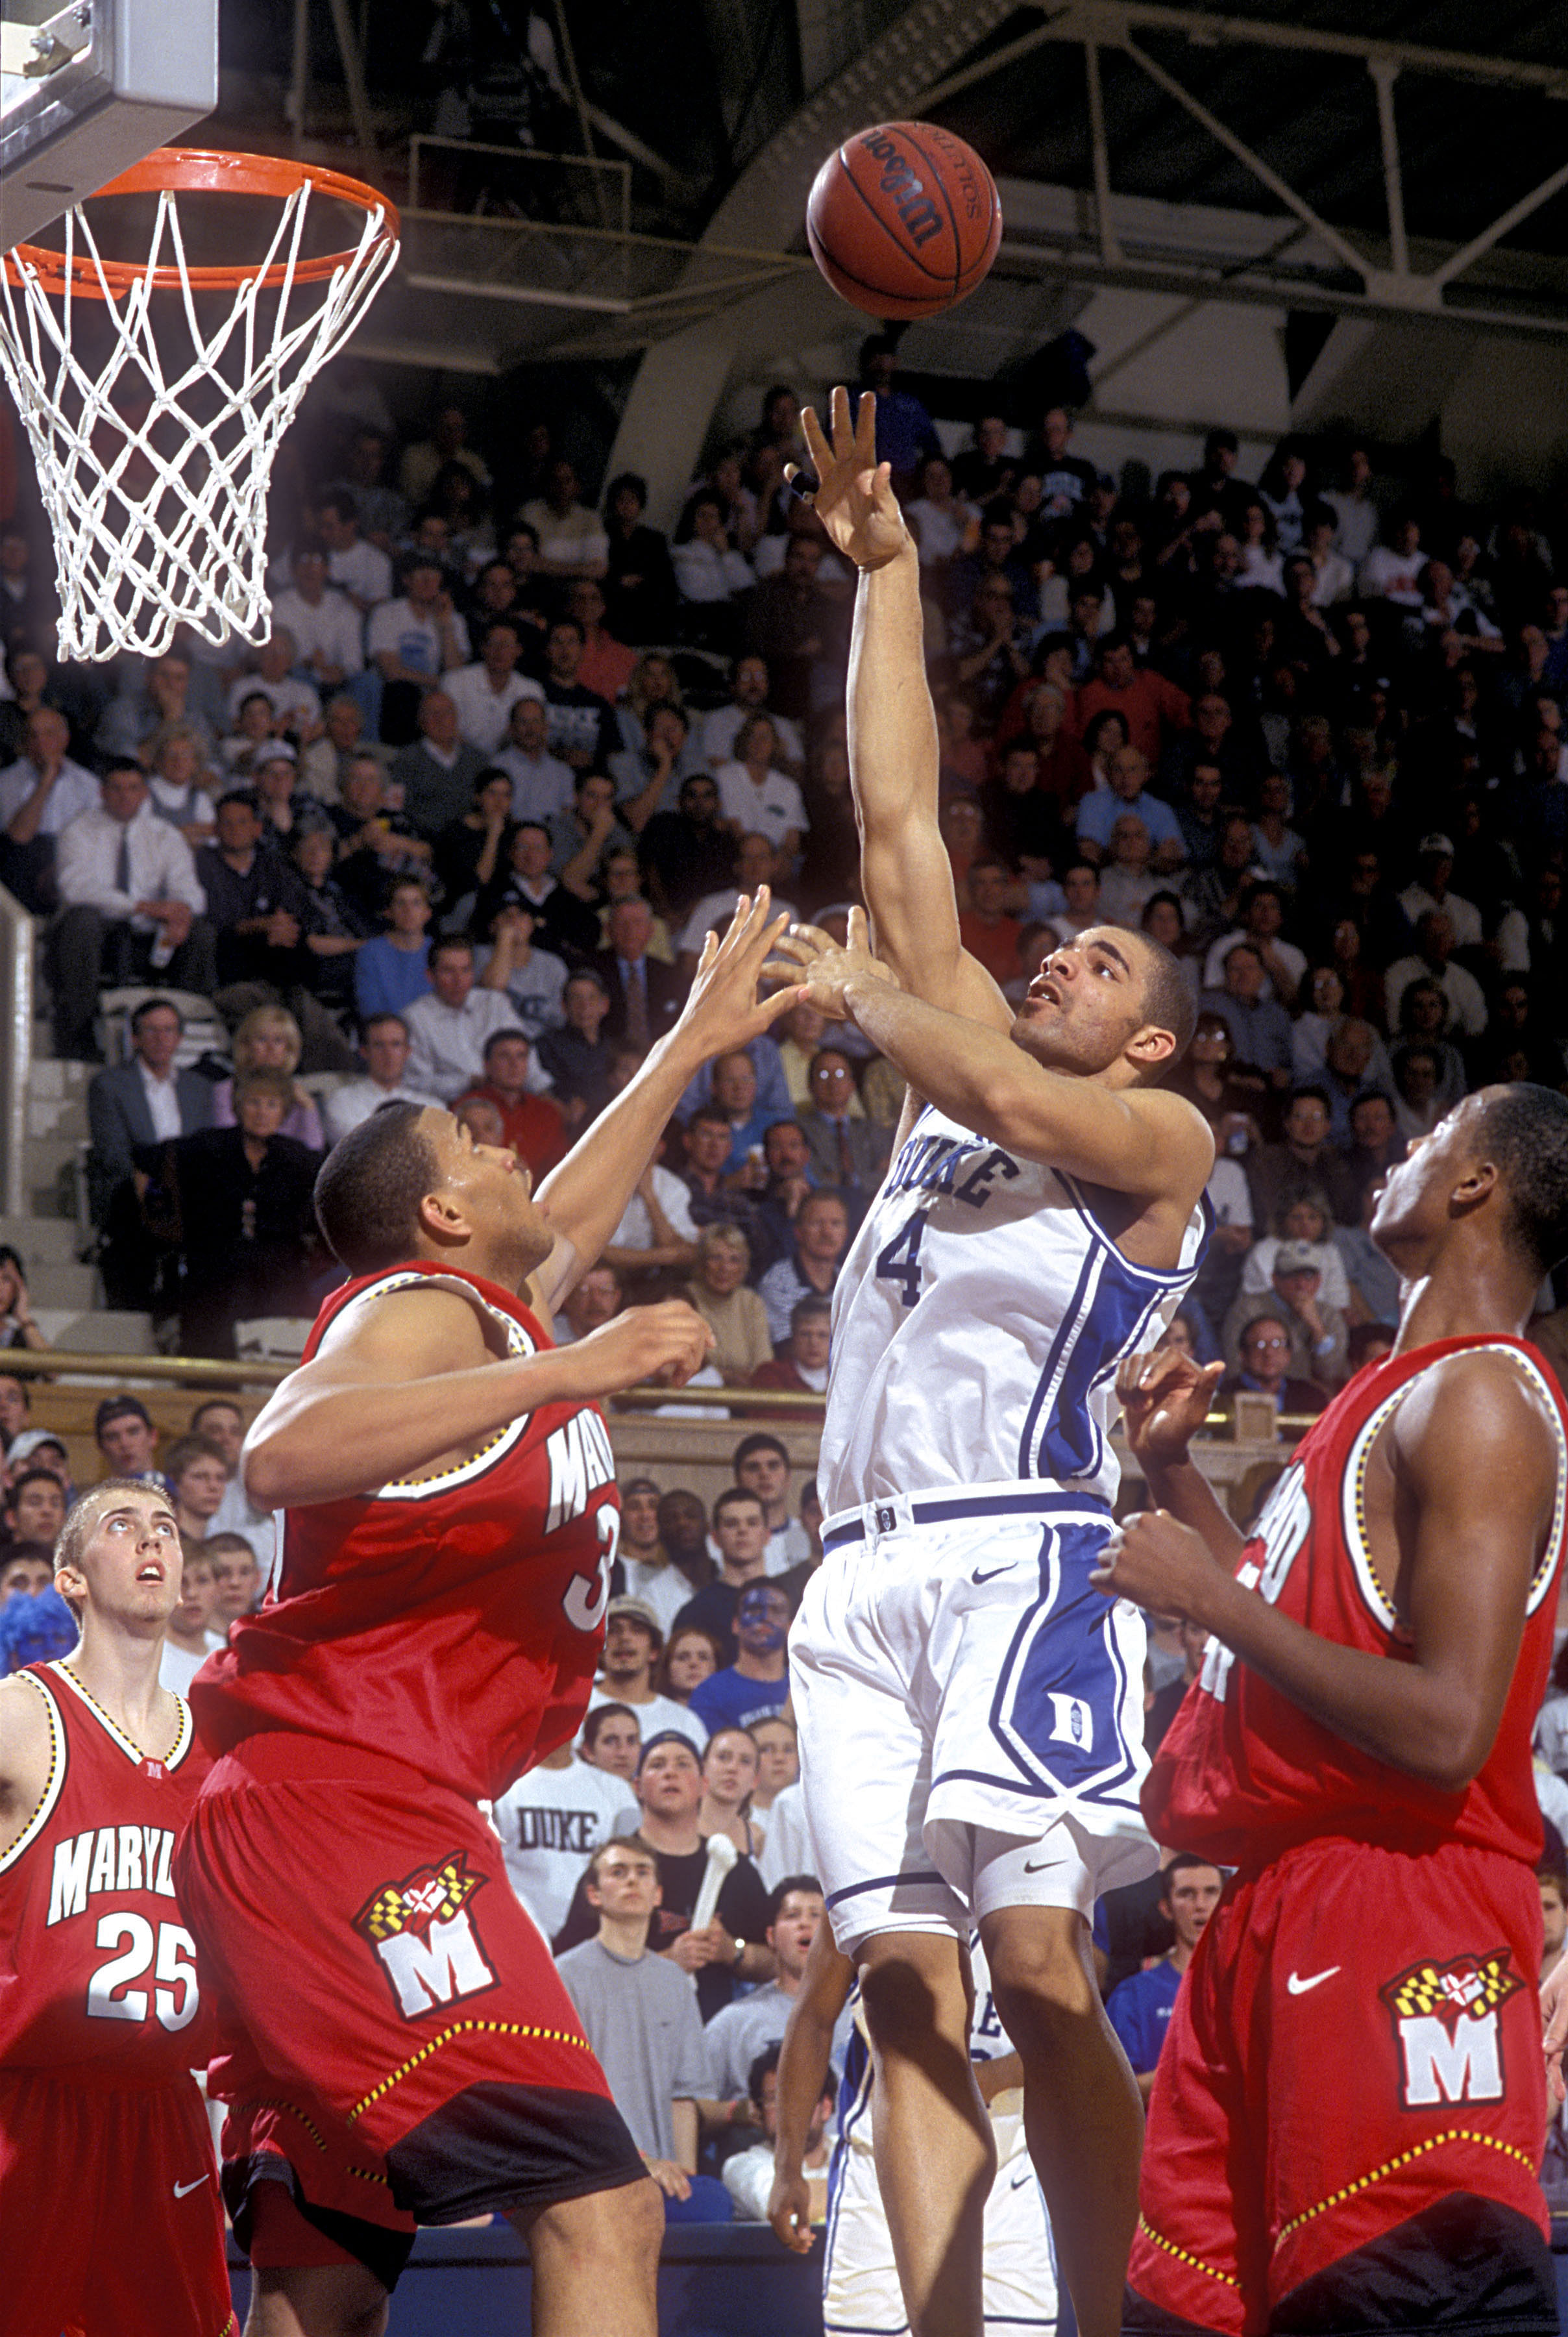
<point>1350,2111</point>
<point>401,2049</point>
<point>109,2212</point>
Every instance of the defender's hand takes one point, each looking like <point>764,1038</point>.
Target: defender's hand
<point>854,499</point>
<point>1160,1565</point>
<point>1165,1399</point>
<point>807,956</point>
<point>722,1011</point>
<point>666,1343</point>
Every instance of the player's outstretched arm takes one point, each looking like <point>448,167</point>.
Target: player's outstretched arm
<point>1474,1458</point>
<point>1165,1399</point>
<point>803,2062</point>
<point>23,1757</point>
<point>905,873</point>
<point>586,1196</point>
<point>407,1380</point>
<point>1141,1140</point>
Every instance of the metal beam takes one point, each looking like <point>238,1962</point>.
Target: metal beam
<point>1384,72</point>
<point>1481,244</point>
<point>1110,250</point>
<point>997,62</point>
<point>1243,153</point>
<point>353,78</point>
<point>1111,21</point>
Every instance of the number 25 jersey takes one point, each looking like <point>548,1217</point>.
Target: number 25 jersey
<point>979,1321</point>
<point>452,1623</point>
<point>98,1979</point>
<point>1242,1774</point>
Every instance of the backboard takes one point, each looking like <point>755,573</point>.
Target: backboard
<point>88,89</point>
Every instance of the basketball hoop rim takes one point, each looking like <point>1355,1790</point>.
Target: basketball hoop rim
<point>210,170</point>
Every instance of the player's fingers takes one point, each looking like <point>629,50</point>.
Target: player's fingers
<point>843,437</point>
<point>860,932</point>
<point>816,443</point>
<point>768,1010</point>
<point>800,930</point>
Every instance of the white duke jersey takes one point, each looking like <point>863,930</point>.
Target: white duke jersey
<point>978,1323</point>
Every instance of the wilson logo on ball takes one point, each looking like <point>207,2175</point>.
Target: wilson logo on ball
<point>903,220</point>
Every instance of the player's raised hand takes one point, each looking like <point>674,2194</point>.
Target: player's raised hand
<point>666,1343</point>
<point>855,498</point>
<point>722,1011</point>
<point>822,969</point>
<point>1165,1398</point>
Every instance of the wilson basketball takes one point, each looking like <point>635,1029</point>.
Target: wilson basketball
<point>903,220</point>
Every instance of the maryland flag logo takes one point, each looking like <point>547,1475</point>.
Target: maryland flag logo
<point>1446,2025</point>
<point>423,1935</point>
<point>431,1894</point>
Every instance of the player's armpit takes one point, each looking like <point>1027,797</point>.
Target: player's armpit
<point>24,1749</point>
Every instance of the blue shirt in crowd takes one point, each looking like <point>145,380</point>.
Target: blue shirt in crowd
<point>727,1699</point>
<point>1140,2009</point>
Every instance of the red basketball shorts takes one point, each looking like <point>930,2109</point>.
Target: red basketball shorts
<point>1351,2103</point>
<point>109,2211</point>
<point>395,2029</point>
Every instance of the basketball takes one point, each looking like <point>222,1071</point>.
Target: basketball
<point>903,220</point>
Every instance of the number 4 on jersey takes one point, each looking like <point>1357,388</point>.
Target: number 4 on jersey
<point>899,1262</point>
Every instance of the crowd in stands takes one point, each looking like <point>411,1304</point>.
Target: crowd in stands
<point>458,834</point>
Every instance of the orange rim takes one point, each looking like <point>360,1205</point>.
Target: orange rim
<point>208,170</point>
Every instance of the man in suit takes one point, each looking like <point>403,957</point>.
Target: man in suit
<point>131,1109</point>
<point>846,1148</point>
<point>644,997</point>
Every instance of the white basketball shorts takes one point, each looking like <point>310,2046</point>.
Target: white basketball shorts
<point>970,1712</point>
<point>861,2291</point>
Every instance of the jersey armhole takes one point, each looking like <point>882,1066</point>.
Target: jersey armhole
<point>58,1758</point>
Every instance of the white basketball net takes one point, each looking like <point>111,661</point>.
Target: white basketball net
<point>146,538</point>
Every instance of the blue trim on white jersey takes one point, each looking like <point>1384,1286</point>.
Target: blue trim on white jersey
<point>881,1883</point>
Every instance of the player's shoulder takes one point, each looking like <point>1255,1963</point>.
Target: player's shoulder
<point>26,1734</point>
<point>424,1325</point>
<point>1490,1403</point>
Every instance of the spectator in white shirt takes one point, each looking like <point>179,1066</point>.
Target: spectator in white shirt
<point>295,703</point>
<point>756,863</point>
<point>485,692</point>
<point>1433,960</point>
<point>757,799</point>
<point>386,1046</point>
<point>542,784</point>
<point>572,538</point>
<point>131,907</point>
<point>361,570</point>
<point>413,642</point>
<point>40,794</point>
<point>550,1822</point>
<point>327,629</point>
<point>448,1028</point>
<point>1434,868</point>
<point>1392,571</point>
<point>748,696</point>
<point>656,1233</point>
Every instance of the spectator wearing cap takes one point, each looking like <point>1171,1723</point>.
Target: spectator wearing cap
<point>412,641</point>
<point>549,1820</point>
<point>287,808</point>
<point>123,1432</point>
<point>633,1643</point>
<point>639,2015</point>
<point>757,1684</point>
<point>43,1450</point>
<point>1317,1331</point>
<point>1429,893</point>
<point>1263,1365</point>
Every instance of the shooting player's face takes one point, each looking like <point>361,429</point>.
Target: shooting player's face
<point>1086,1003</point>
<point>491,1188</point>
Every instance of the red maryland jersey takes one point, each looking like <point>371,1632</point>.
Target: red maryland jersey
<point>1243,1773</point>
<point>453,1624</point>
<point>97,1970</point>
